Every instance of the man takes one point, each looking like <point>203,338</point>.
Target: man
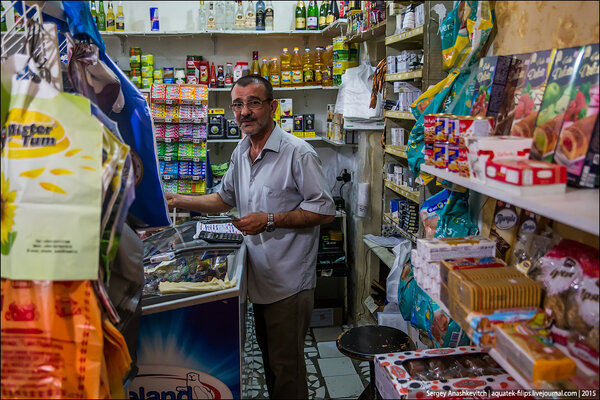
<point>276,182</point>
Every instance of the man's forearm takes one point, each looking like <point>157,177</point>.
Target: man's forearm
<point>209,203</point>
<point>301,219</point>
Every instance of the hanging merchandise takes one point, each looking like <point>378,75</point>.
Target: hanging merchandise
<point>431,210</point>
<point>455,220</point>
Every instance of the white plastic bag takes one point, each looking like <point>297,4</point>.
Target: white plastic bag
<point>402,253</point>
<point>354,95</point>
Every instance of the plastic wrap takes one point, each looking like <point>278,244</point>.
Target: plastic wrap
<point>431,210</point>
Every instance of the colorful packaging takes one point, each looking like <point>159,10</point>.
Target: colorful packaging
<point>440,155</point>
<point>516,77</point>
<point>575,148</point>
<point>555,102</point>
<point>473,127</point>
<point>452,156</point>
<point>526,172</point>
<point>482,149</point>
<point>489,85</point>
<point>445,248</point>
<point>504,228</point>
<point>431,210</point>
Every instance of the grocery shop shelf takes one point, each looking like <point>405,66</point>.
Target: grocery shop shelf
<point>402,76</point>
<point>325,32</point>
<point>396,223</point>
<point>375,32</point>
<point>382,252</point>
<point>283,89</point>
<point>398,151</point>
<point>403,191</point>
<point>398,114</point>
<point>334,143</point>
<point>413,36</point>
<point>576,207</point>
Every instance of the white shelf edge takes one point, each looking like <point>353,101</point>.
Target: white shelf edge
<point>576,207</point>
<point>323,32</point>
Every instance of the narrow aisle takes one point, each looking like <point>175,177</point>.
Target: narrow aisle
<point>330,374</point>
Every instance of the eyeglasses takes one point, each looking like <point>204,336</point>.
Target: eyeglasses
<point>252,105</point>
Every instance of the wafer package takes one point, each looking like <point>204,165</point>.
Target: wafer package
<point>439,249</point>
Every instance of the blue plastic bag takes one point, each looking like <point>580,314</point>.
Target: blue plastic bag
<point>455,220</point>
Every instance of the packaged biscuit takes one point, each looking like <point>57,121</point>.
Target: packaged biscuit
<point>504,228</point>
<point>468,263</point>
<point>492,294</point>
<point>439,249</point>
<point>457,277</point>
<point>489,85</point>
<point>516,76</point>
<point>576,150</point>
<point>530,355</point>
<point>555,102</point>
<point>528,95</point>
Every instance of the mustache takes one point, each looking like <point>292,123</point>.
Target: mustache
<point>247,119</point>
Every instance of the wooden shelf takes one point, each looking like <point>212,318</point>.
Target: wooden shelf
<point>576,207</point>
<point>413,36</point>
<point>375,32</point>
<point>398,115</point>
<point>396,223</point>
<point>403,191</point>
<point>398,151</point>
<point>403,76</point>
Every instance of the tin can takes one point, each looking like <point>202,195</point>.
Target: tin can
<point>452,155</point>
<point>429,156</point>
<point>440,153</point>
<point>441,127</point>
<point>168,73</point>
<point>474,127</point>
<point>463,162</point>
<point>191,61</point>
<point>147,60</point>
<point>452,128</point>
<point>154,25</point>
<point>429,124</point>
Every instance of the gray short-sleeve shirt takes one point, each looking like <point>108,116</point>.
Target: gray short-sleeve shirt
<point>287,175</point>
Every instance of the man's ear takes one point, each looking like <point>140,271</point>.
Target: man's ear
<point>274,105</point>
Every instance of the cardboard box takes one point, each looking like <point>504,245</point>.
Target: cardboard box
<point>232,131</point>
<point>489,85</point>
<point>287,124</point>
<point>309,125</point>
<point>330,316</point>
<point>299,125</point>
<point>482,149</point>
<point>286,106</point>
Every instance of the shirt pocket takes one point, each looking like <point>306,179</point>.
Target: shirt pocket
<point>279,201</point>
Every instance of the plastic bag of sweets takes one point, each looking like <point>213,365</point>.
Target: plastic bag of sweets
<point>431,210</point>
<point>455,220</point>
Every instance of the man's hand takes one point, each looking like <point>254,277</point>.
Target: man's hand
<point>173,200</point>
<point>252,224</point>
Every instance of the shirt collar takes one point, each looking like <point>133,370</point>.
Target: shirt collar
<point>273,142</point>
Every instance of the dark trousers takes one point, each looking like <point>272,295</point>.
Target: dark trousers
<point>280,331</point>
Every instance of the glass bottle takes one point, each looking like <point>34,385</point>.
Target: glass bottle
<point>250,21</point>
<point>260,15</point>
<point>110,18</point>
<point>94,13</point>
<point>211,22</point>
<point>228,75</point>
<point>220,76</point>
<point>101,17</point>
<point>312,16</point>
<point>333,13</point>
<point>308,68</point>
<point>229,15</point>
<point>274,72</point>
<point>239,16</point>
<point>201,16</point>
<point>286,71</point>
<point>269,16</point>
<point>327,70</point>
<point>300,23</point>
<point>255,67</point>
<point>323,14</point>
<point>318,65</point>
<point>296,67</point>
<point>120,21</point>
<point>264,69</point>
<point>219,14</point>
<point>213,76</point>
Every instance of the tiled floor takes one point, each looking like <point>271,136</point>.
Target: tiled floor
<point>330,374</point>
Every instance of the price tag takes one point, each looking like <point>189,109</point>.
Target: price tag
<point>195,178</point>
<point>166,177</point>
<point>196,159</point>
<point>168,140</point>
<point>169,101</point>
<point>196,141</point>
<point>168,119</point>
<point>167,158</point>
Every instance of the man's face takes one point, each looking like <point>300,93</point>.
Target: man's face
<point>253,120</point>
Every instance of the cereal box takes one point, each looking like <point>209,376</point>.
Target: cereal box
<point>489,85</point>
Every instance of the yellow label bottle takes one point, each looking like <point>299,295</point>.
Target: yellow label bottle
<point>308,68</point>
<point>120,21</point>
<point>286,71</point>
<point>274,72</point>
<point>296,67</point>
<point>264,69</point>
<point>110,18</point>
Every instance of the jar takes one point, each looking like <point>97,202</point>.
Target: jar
<point>191,79</point>
<point>137,81</point>
<point>147,71</point>
<point>191,61</point>
<point>157,74</point>
<point>147,59</point>
<point>146,82</point>
<point>135,57</point>
<point>168,73</point>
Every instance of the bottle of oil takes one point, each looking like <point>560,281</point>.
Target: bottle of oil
<point>255,67</point>
<point>286,70</point>
<point>296,66</point>
<point>318,66</point>
<point>308,68</point>
<point>274,72</point>
<point>110,18</point>
<point>264,69</point>
<point>327,70</point>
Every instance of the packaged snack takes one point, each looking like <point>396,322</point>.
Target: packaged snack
<point>576,150</point>
<point>526,176</point>
<point>504,228</point>
<point>482,149</point>
<point>445,248</point>
<point>533,358</point>
<point>495,293</point>
<point>489,85</point>
<point>555,102</point>
<point>515,79</point>
<point>431,210</point>
<point>467,263</point>
<point>528,95</point>
<point>455,220</point>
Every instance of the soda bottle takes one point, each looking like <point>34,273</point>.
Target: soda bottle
<point>101,17</point>
<point>274,72</point>
<point>286,70</point>
<point>327,70</point>
<point>318,65</point>
<point>110,18</point>
<point>255,67</point>
<point>308,68</point>
<point>323,14</point>
<point>120,21</point>
<point>264,69</point>
<point>296,66</point>
<point>300,23</point>
<point>312,16</point>
<point>93,11</point>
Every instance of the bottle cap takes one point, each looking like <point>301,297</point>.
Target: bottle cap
<point>255,55</point>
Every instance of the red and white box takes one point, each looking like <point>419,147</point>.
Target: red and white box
<point>445,374</point>
<point>536,177</point>
<point>483,149</point>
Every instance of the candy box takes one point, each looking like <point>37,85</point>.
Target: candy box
<point>451,372</point>
<point>577,147</point>
<point>555,102</point>
<point>489,85</point>
<point>439,249</point>
<point>537,176</point>
<point>515,79</point>
<point>482,149</point>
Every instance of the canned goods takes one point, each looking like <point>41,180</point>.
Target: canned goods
<point>474,127</point>
<point>191,79</point>
<point>168,73</point>
<point>429,123</point>
<point>429,156</point>
<point>154,25</point>
<point>452,128</point>
<point>137,81</point>
<point>452,155</point>
<point>440,154</point>
<point>147,71</point>
<point>168,80</point>
<point>135,57</point>
<point>191,60</point>
<point>463,162</point>
<point>157,74</point>
<point>146,82</point>
<point>147,59</point>
<point>441,127</point>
